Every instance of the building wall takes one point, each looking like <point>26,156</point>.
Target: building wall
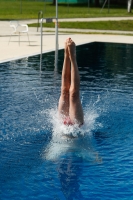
<point>72,1</point>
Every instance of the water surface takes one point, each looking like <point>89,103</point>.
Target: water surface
<point>36,162</point>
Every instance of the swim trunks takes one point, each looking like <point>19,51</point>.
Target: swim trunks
<point>67,121</point>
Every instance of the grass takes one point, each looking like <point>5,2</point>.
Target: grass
<point>90,33</point>
<point>124,25</point>
<point>28,9</point>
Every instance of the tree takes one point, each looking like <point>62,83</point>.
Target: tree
<point>129,4</point>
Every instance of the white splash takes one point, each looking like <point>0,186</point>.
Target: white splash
<point>71,138</point>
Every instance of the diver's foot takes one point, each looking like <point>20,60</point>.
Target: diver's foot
<point>66,52</point>
<point>71,48</point>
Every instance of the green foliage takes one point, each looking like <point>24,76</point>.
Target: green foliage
<point>124,25</point>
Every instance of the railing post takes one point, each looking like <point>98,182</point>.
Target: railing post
<point>48,20</point>
<point>40,16</point>
<point>56,35</point>
<point>41,22</point>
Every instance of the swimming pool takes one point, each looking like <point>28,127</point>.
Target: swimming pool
<point>35,162</point>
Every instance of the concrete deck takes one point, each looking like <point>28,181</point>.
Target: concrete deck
<point>13,50</point>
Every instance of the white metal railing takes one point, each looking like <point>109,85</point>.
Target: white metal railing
<point>40,16</point>
<point>47,20</point>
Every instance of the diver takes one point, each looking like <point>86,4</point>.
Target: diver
<point>69,107</point>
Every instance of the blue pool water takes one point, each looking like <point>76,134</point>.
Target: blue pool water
<point>36,163</point>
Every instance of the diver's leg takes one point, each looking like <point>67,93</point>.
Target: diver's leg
<point>75,107</point>
<point>63,106</point>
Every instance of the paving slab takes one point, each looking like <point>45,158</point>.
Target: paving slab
<point>13,50</point>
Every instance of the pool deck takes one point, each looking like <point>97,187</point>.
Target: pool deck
<point>14,51</point>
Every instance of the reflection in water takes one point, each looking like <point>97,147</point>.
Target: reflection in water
<point>70,155</point>
<point>70,172</point>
